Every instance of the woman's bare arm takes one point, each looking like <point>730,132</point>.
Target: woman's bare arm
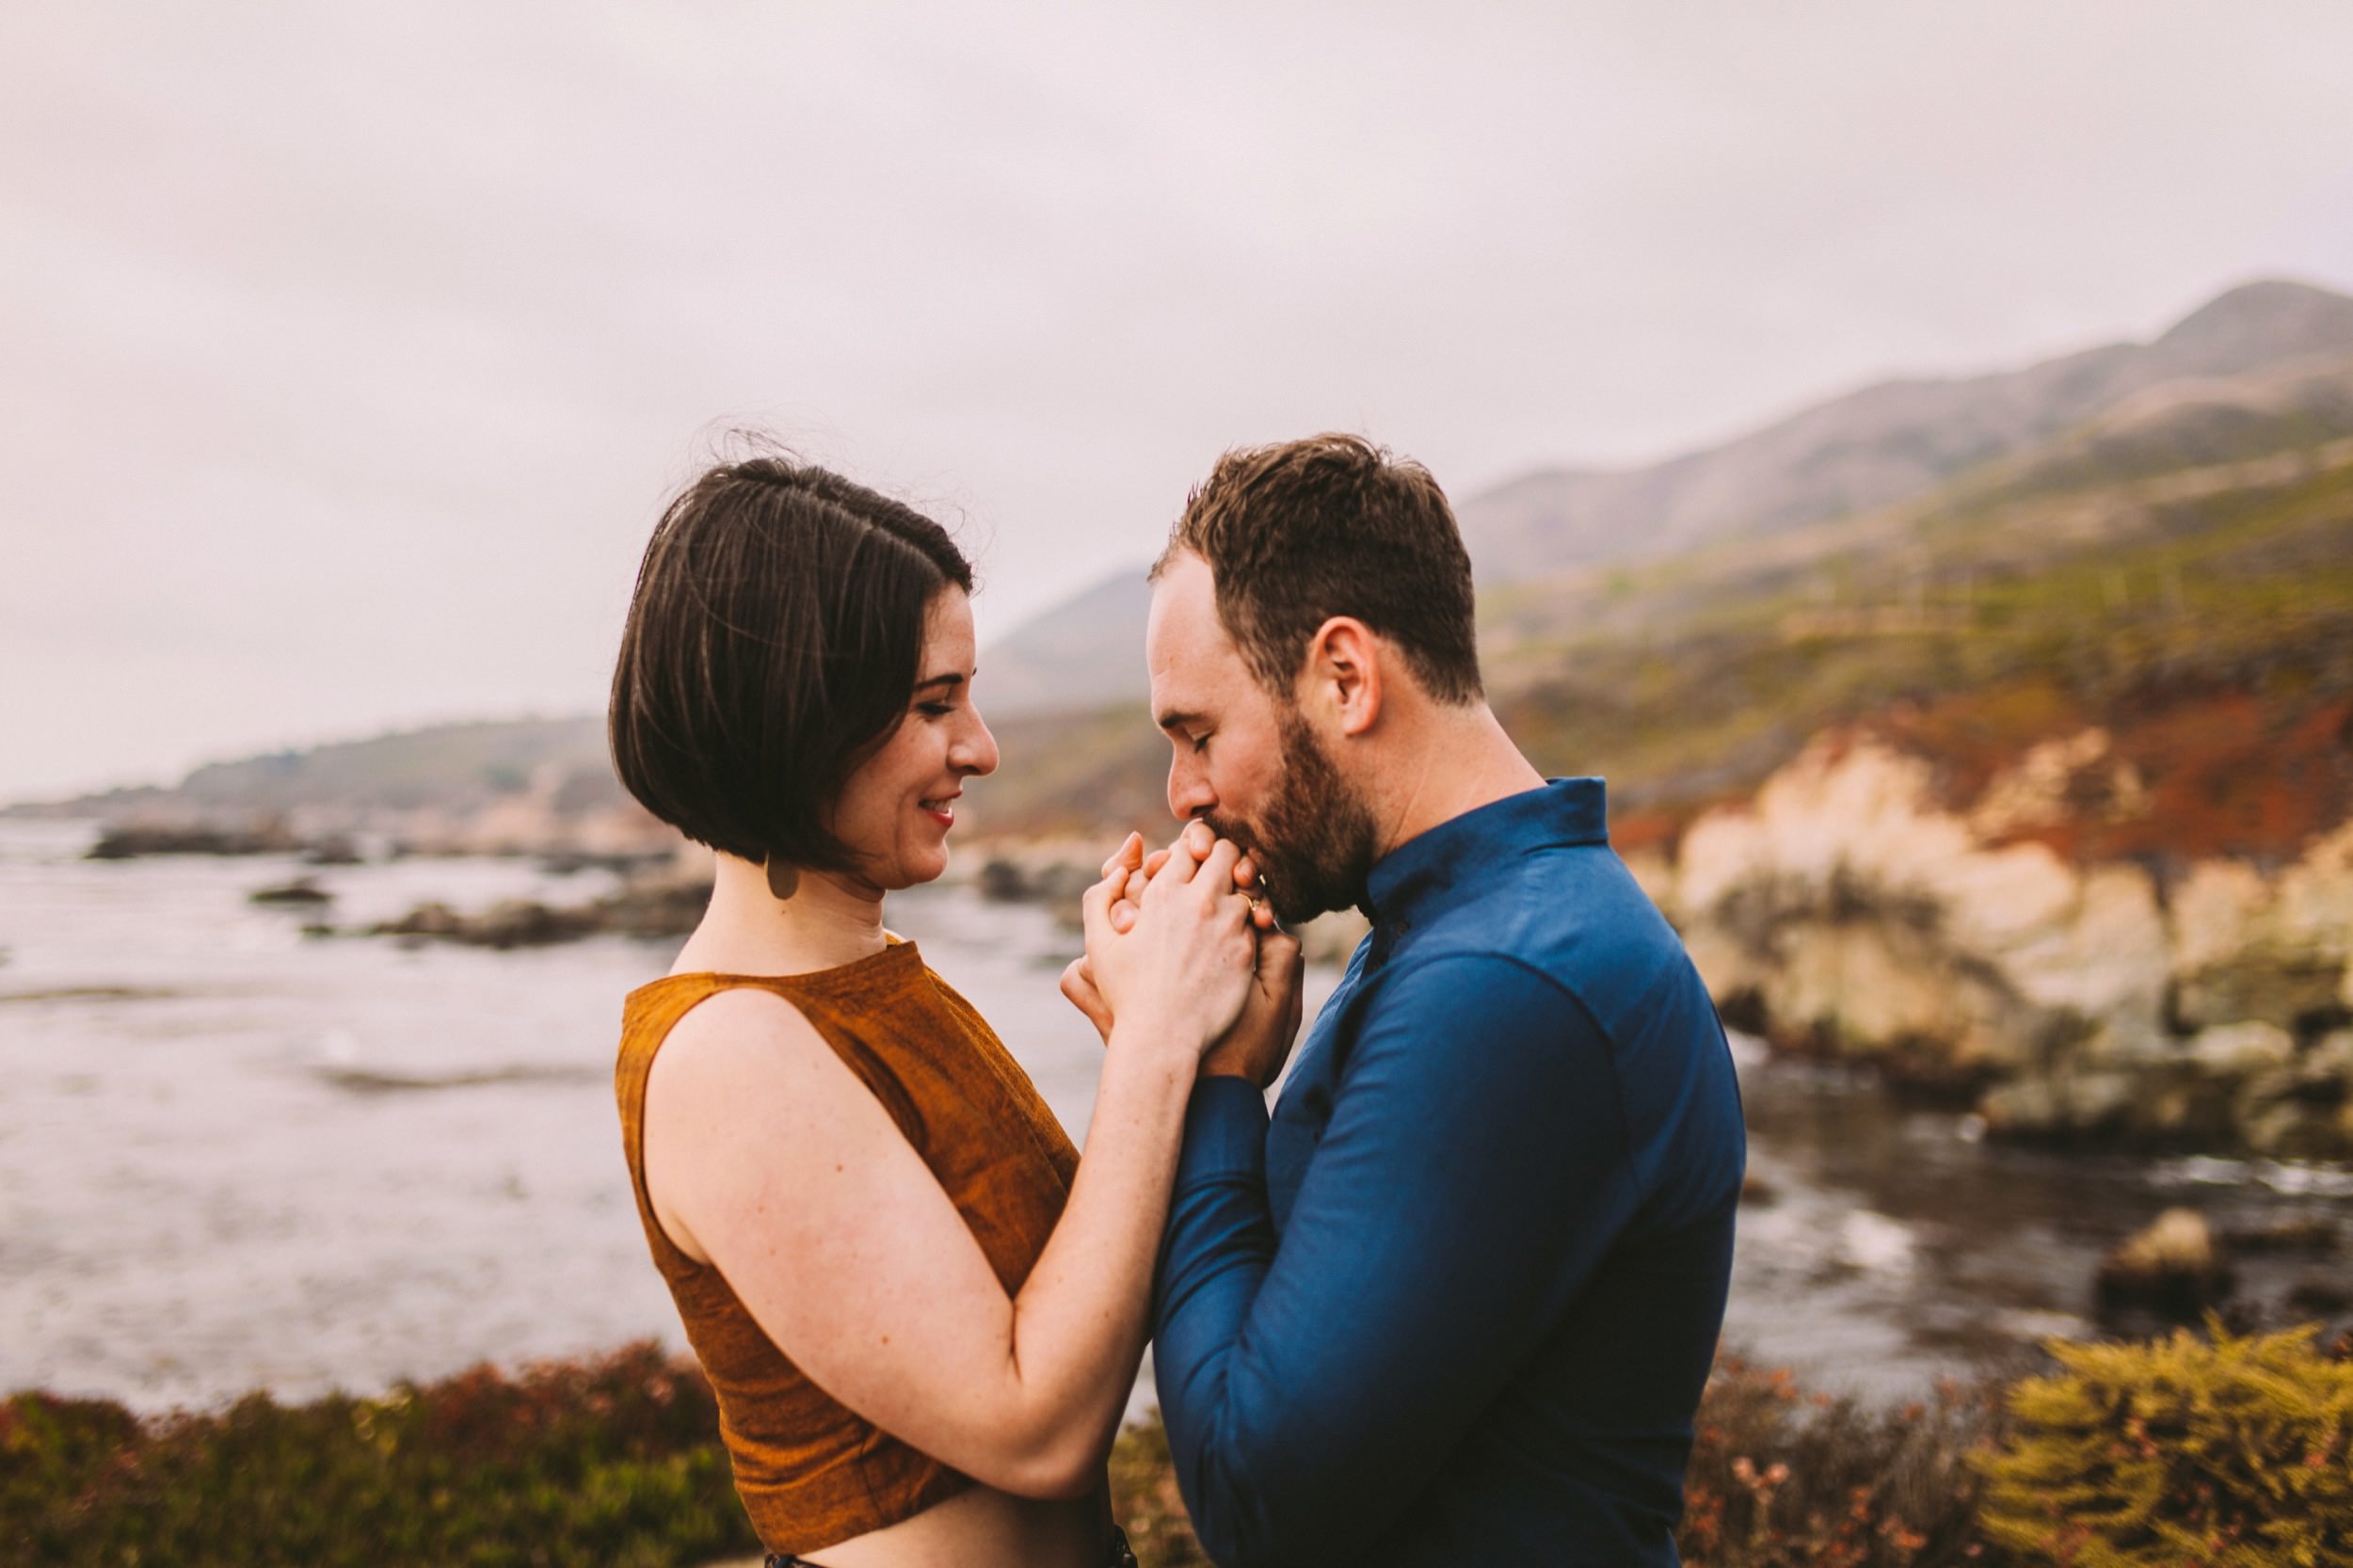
<point>768,1158</point>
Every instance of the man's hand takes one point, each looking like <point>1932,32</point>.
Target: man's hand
<point>1261,1041</point>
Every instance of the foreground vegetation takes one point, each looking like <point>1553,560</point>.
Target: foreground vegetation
<point>607,1463</point>
<point>2197,1449</point>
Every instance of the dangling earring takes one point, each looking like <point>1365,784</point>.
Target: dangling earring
<point>784,878</point>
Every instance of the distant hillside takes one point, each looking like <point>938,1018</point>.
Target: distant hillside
<point>1875,447</point>
<point>1860,454</point>
<point>456,766</point>
<point>1086,653</point>
<point>528,784</point>
<point>2178,571</point>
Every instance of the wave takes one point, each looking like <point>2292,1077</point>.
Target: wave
<point>94,992</point>
<point>386,1080</point>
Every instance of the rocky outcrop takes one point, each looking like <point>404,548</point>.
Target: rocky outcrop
<point>1847,910</point>
<point>301,893</point>
<point>1055,873</point>
<point>2174,1268</point>
<point>138,840</point>
<point>654,906</point>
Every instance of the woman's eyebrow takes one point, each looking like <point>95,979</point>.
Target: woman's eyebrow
<point>951,679</point>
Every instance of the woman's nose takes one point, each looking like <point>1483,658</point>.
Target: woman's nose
<point>975,752</point>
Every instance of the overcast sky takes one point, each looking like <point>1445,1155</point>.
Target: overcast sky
<point>348,350</point>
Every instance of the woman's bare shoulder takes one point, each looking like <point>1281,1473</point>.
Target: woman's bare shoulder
<point>735,1027</point>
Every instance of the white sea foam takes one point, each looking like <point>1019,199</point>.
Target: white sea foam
<point>1874,1242</point>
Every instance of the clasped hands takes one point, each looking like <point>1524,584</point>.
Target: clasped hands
<point>1251,1043</point>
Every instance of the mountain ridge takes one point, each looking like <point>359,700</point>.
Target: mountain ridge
<point>1853,452</point>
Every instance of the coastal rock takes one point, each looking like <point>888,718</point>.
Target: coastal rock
<point>2242,1049</point>
<point>1848,910</point>
<point>2276,989</point>
<point>509,923</point>
<point>2172,1267</point>
<point>2278,950</point>
<point>648,907</point>
<point>1054,873</point>
<point>134,841</point>
<point>1850,810</point>
<point>1854,988</point>
<point>336,849</point>
<point>1005,879</point>
<point>653,907</point>
<point>302,890</point>
<point>2100,955</point>
<point>2080,1101</point>
<point>2027,1108</point>
<point>2330,1057</point>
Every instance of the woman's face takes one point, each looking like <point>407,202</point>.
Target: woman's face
<point>897,808</point>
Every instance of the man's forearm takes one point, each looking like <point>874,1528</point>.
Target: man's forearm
<point>1471,1172</point>
<point>1219,1244</point>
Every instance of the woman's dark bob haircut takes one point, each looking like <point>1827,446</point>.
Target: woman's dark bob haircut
<point>772,646</point>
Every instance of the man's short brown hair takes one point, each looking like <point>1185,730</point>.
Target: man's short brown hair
<point>1333,525</point>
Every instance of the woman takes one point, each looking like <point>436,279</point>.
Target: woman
<point>921,1312</point>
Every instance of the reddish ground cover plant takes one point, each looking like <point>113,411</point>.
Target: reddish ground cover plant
<point>1780,1479</point>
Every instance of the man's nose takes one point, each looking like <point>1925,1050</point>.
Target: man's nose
<point>1189,792</point>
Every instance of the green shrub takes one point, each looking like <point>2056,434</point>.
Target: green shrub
<point>615,1461</point>
<point>2224,1451</point>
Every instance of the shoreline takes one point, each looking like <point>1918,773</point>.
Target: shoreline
<point>444,1146</point>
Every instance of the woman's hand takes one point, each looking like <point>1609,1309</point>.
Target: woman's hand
<point>1128,872</point>
<point>1078,976</point>
<point>1141,874</point>
<point>1186,961</point>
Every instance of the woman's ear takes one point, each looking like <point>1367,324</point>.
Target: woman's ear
<point>1344,673</point>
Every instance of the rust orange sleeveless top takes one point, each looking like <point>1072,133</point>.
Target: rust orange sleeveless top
<point>812,1472</point>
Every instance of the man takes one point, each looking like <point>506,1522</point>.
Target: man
<point>1456,1303</point>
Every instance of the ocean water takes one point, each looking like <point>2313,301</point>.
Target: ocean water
<point>234,1156</point>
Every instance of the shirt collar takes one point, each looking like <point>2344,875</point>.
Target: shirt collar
<point>1563,811</point>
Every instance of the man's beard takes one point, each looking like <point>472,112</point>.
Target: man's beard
<point>1313,844</point>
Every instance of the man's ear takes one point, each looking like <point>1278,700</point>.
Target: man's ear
<point>1343,674</point>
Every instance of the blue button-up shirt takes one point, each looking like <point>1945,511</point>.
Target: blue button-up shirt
<point>1455,1305</point>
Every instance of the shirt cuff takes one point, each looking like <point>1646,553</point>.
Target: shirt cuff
<point>1226,1124</point>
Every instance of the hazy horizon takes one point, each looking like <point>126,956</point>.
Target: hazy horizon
<point>348,357</point>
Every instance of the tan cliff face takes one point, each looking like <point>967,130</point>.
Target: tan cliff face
<point>1848,909</point>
